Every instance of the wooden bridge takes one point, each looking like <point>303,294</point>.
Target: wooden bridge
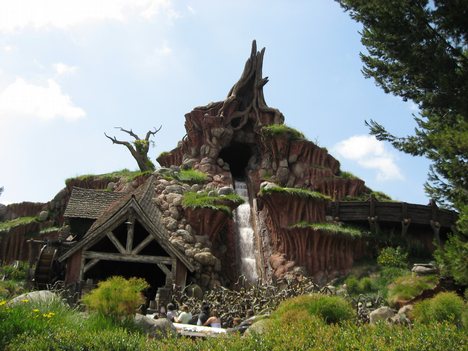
<point>378,212</point>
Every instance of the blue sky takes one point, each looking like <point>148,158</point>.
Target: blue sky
<point>72,70</point>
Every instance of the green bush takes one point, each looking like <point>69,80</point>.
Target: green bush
<point>453,258</point>
<point>386,276</point>
<point>16,272</point>
<point>356,286</point>
<point>332,309</point>
<point>366,285</point>
<point>444,307</point>
<point>116,297</point>
<point>352,285</point>
<point>392,257</point>
<point>409,286</point>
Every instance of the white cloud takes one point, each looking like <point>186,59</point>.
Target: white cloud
<point>40,14</point>
<point>23,99</point>
<point>63,69</point>
<point>165,50</point>
<point>191,10</point>
<point>369,153</point>
<point>8,48</point>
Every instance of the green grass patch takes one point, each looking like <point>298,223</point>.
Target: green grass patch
<point>304,193</point>
<point>49,230</point>
<point>347,175</point>
<point>163,154</point>
<point>332,228</point>
<point>331,309</point>
<point>216,202</point>
<point>7,225</point>
<point>191,176</point>
<point>282,129</point>
<point>126,174</point>
<point>409,286</point>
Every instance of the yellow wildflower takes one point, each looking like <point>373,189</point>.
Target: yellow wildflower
<point>25,301</point>
<point>35,310</point>
<point>3,302</point>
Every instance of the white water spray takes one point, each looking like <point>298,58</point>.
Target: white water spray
<point>246,234</point>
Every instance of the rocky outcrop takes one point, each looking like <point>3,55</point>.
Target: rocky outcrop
<point>23,209</point>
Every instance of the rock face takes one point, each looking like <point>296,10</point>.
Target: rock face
<point>227,140</point>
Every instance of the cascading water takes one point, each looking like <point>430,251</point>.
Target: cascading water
<point>246,234</point>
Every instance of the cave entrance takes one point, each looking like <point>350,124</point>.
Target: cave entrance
<point>237,155</point>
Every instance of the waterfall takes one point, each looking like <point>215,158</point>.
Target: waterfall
<point>246,234</point>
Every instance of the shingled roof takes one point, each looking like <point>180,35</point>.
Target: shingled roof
<point>90,203</point>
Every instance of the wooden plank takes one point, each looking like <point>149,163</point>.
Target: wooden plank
<point>143,244</point>
<point>116,242</point>
<point>165,270</point>
<point>130,234</point>
<point>127,257</point>
<point>90,264</point>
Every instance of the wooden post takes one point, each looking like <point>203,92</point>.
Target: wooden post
<point>130,233</point>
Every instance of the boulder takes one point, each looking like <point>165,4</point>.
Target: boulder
<point>44,296</point>
<point>174,199</point>
<point>226,190</point>
<point>177,189</point>
<point>188,238</point>
<point>43,215</point>
<point>424,269</point>
<point>383,313</point>
<point>155,328</point>
<point>205,258</point>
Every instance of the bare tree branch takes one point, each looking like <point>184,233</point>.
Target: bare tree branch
<point>150,133</point>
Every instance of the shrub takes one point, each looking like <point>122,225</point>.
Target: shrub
<point>392,257</point>
<point>409,286</point>
<point>352,285</point>
<point>444,307</point>
<point>356,286</point>
<point>16,272</point>
<point>453,259</point>
<point>116,297</point>
<point>366,285</point>
<point>388,275</point>
<point>332,309</point>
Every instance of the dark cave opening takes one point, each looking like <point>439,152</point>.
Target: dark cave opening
<point>237,155</point>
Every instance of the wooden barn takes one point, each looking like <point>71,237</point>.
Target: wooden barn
<point>121,234</point>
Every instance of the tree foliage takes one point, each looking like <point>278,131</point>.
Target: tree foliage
<point>418,50</point>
